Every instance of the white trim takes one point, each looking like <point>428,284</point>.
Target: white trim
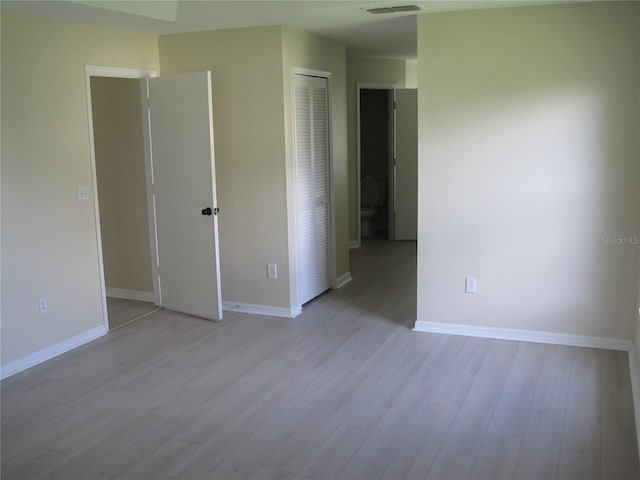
<point>118,72</point>
<point>151,203</point>
<point>53,351</point>
<point>635,387</point>
<point>130,294</point>
<point>343,279</point>
<point>214,195</point>
<point>310,72</point>
<point>262,309</point>
<point>100,71</point>
<point>354,244</point>
<point>536,336</point>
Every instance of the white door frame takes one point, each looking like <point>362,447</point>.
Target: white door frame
<point>364,86</point>
<point>293,259</point>
<point>115,72</point>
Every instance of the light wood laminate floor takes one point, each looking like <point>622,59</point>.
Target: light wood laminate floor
<point>345,390</point>
<point>122,311</point>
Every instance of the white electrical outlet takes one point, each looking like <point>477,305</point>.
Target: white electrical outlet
<point>42,303</point>
<point>470,284</point>
<point>272,270</point>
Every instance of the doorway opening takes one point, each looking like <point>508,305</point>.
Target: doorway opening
<point>174,125</point>
<point>387,162</point>
<point>120,193</point>
<point>376,157</point>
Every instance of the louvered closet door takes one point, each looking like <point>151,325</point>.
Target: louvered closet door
<point>312,185</point>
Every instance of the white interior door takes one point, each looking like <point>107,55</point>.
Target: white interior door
<point>184,195</point>
<point>405,185</point>
<point>312,185</point>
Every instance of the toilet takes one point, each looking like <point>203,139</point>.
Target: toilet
<point>370,200</point>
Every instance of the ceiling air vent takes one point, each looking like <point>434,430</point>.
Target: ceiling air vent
<point>395,9</point>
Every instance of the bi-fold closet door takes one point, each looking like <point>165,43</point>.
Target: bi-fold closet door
<point>313,199</point>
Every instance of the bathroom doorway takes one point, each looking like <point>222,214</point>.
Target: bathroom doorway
<point>387,151</point>
<point>376,162</point>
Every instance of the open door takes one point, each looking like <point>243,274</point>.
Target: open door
<point>405,171</point>
<point>183,194</point>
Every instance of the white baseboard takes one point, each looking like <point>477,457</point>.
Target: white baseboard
<point>354,244</point>
<point>343,279</point>
<point>524,335</point>
<point>130,294</point>
<point>262,309</point>
<point>635,388</point>
<point>53,351</point>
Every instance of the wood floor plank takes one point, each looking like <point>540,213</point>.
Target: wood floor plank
<point>512,411</point>
<point>496,459</point>
<point>469,429</point>
<point>451,466</point>
<point>310,433</point>
<point>619,453</point>
<point>580,449</point>
<point>265,441</point>
<point>438,362</point>
<point>264,473</point>
<point>541,442</point>
<point>372,460</point>
<point>160,460</point>
<point>422,442</point>
<point>616,400</point>
<point>331,458</point>
<point>585,376</point>
<point>221,442</point>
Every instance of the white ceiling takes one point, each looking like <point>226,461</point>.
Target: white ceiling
<point>390,35</point>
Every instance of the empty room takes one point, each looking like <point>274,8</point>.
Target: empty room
<point>320,240</point>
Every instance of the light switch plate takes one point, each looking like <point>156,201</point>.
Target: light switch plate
<point>83,192</point>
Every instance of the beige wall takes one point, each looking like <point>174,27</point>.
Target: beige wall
<point>122,187</point>
<point>305,50</point>
<point>52,251</point>
<point>528,161</point>
<point>411,74</point>
<point>365,70</point>
<point>248,119</point>
<point>251,69</point>
<point>49,243</point>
